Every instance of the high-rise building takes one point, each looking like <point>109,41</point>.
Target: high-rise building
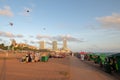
<point>64,44</point>
<point>54,45</point>
<point>13,42</point>
<point>42,45</point>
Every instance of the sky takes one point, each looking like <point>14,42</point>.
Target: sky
<point>87,25</point>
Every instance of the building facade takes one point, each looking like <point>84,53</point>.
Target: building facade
<point>64,44</point>
<point>54,45</point>
<point>13,42</point>
<point>42,45</point>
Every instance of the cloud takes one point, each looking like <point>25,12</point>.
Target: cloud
<point>6,11</point>
<point>33,42</point>
<point>43,36</point>
<point>50,43</point>
<point>31,36</point>
<point>10,35</point>
<point>59,38</point>
<point>67,37</point>
<point>0,39</point>
<point>19,36</point>
<point>25,40</point>
<point>6,34</point>
<point>110,22</point>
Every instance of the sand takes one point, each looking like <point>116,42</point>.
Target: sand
<point>68,68</point>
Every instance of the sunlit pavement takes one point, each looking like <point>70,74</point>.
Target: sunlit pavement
<point>69,68</point>
<point>82,71</point>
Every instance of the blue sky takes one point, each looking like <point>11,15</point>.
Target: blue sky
<point>88,25</point>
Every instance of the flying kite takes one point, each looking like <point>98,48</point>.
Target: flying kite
<point>44,28</point>
<point>28,10</point>
<point>11,24</point>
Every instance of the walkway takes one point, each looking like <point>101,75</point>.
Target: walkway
<point>82,71</point>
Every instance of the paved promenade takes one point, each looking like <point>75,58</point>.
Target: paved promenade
<point>69,68</point>
<point>82,71</point>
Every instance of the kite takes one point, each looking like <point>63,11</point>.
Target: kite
<point>28,11</point>
<point>44,28</point>
<point>11,24</point>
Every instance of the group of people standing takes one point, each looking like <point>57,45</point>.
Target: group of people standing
<point>31,57</point>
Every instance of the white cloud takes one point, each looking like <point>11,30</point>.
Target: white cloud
<point>19,35</point>
<point>110,22</point>
<point>6,11</point>
<point>33,42</point>
<point>59,38</point>
<point>25,40</point>
<point>31,36</point>
<point>0,39</point>
<point>49,43</point>
<point>10,35</point>
<point>67,37</point>
<point>6,34</point>
<point>43,36</point>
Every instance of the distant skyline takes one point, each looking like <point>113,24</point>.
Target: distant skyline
<point>87,25</point>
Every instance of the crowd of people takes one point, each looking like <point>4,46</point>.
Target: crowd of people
<point>31,57</point>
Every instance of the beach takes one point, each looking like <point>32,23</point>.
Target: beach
<point>68,68</point>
